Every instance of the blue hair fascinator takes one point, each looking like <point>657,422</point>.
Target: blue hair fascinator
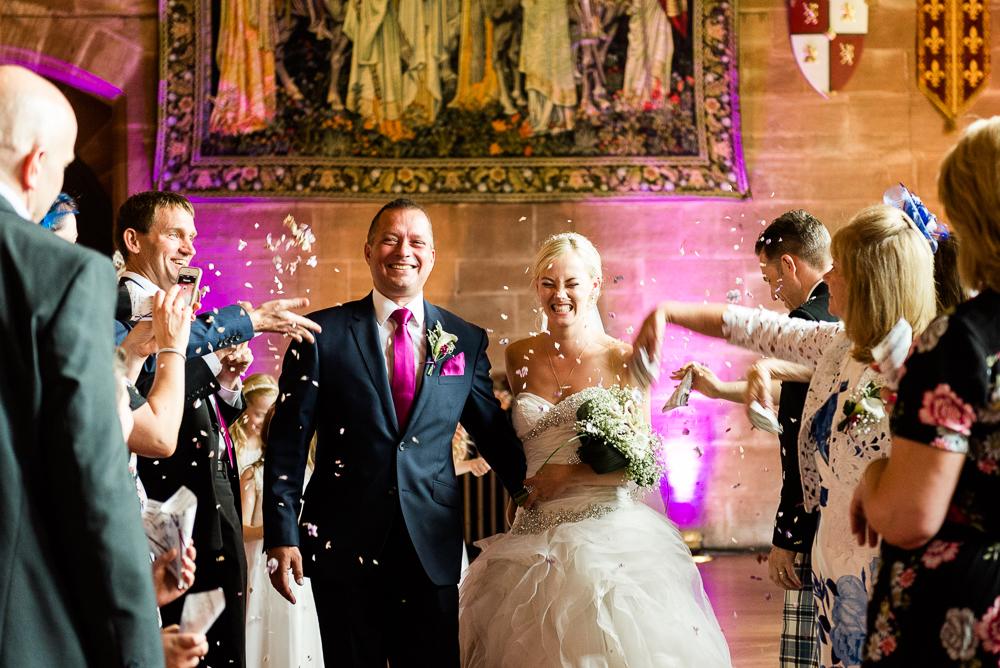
<point>64,204</point>
<point>910,204</point>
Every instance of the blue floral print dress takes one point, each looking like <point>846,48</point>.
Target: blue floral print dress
<point>835,448</point>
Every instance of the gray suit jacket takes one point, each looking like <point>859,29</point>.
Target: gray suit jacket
<point>75,585</point>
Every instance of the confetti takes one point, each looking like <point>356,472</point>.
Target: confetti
<point>242,245</point>
<point>248,285</point>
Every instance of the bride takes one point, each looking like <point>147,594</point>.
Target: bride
<point>586,577</point>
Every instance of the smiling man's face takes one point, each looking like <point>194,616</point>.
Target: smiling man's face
<point>167,247</point>
<point>401,254</point>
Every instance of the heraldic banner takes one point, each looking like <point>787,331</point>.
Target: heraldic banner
<point>827,39</point>
<point>953,52</point>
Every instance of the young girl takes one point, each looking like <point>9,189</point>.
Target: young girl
<point>279,634</point>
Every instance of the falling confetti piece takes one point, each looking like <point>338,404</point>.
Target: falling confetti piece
<point>242,245</point>
<point>619,279</point>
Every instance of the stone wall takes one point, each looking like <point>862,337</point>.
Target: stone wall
<point>831,157</point>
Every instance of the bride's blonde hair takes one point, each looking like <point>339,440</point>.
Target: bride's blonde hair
<point>570,242</point>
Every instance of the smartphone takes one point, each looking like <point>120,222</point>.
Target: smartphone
<point>189,280</point>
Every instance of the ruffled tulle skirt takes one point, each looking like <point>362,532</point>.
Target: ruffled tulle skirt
<point>615,590</point>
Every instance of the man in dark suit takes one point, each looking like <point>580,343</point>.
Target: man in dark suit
<point>383,389</point>
<point>794,253</point>
<point>155,232</point>
<point>75,579</point>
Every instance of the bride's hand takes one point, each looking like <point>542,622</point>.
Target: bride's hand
<point>549,482</point>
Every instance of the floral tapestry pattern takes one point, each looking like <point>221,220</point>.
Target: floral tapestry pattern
<point>450,100</point>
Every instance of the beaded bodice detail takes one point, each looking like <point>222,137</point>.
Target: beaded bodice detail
<point>544,428</point>
<point>533,415</point>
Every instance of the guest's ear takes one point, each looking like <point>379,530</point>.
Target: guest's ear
<point>131,239</point>
<point>788,266</point>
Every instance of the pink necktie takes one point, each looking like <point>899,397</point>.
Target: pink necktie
<point>404,368</point>
<point>225,432</point>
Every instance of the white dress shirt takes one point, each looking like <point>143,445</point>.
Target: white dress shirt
<point>16,203</point>
<point>384,308</point>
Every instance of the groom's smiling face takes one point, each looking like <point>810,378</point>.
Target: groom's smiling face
<point>401,254</point>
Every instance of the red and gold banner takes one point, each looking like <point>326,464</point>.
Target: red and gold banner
<point>953,52</point>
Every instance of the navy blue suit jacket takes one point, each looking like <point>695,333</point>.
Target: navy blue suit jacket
<point>365,465</point>
<point>218,328</point>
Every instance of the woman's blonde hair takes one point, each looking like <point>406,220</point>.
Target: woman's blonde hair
<point>888,267</point>
<point>969,189</point>
<point>570,242</point>
<point>255,386</point>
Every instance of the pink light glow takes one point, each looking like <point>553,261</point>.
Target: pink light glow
<point>53,68</point>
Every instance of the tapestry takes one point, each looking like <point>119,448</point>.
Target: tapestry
<point>450,100</point>
<point>953,52</point>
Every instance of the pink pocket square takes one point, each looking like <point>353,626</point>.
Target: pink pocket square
<point>454,366</point>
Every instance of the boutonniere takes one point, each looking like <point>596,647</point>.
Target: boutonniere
<point>442,345</point>
<point>863,407</point>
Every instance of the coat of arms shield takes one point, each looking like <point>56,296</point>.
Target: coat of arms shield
<point>827,40</point>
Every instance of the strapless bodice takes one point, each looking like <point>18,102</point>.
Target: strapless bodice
<point>544,428</point>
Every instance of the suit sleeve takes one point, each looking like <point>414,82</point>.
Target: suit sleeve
<point>219,328</point>
<point>290,431</point>
<point>199,381</point>
<point>487,423</point>
<point>98,532</point>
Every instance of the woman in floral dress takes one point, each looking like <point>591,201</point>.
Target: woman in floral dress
<point>936,500</point>
<point>883,270</point>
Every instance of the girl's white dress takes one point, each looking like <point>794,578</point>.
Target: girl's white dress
<point>831,461</point>
<point>589,579</point>
<point>279,634</point>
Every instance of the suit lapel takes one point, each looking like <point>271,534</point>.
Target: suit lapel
<point>365,331</point>
<point>428,383</point>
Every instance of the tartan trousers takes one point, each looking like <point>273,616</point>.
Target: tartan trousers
<point>799,648</point>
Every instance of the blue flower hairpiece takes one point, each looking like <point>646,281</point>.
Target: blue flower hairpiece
<point>910,204</point>
<point>63,205</point>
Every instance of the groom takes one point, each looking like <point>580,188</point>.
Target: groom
<point>380,534</point>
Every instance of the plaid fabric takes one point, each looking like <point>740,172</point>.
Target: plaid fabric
<point>799,648</point>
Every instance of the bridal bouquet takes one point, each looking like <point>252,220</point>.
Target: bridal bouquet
<point>614,436</point>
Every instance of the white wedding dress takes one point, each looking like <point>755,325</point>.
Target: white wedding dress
<point>589,579</point>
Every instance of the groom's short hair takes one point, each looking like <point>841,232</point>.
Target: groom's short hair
<point>398,204</point>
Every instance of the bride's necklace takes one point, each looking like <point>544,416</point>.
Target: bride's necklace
<point>562,386</point>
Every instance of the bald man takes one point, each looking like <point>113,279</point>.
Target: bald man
<point>75,585</point>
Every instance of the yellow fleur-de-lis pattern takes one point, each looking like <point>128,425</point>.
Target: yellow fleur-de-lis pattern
<point>953,54</point>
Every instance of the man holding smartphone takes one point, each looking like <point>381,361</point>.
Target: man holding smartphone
<point>155,232</point>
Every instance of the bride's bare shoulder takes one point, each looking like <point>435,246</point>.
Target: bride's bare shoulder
<point>617,347</point>
<point>516,352</point>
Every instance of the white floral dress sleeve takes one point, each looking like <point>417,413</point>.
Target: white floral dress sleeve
<point>778,335</point>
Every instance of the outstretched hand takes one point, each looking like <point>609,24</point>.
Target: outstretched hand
<point>758,388</point>
<point>286,557</point>
<point>703,379</point>
<point>650,336</point>
<point>277,316</point>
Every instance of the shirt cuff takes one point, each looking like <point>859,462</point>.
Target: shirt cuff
<point>232,397</point>
<point>213,362</point>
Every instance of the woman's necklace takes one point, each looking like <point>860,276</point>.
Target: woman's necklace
<point>565,385</point>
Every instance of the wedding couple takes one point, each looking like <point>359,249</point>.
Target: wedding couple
<point>585,577</point>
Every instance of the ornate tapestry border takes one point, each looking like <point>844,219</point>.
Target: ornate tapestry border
<point>184,107</point>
